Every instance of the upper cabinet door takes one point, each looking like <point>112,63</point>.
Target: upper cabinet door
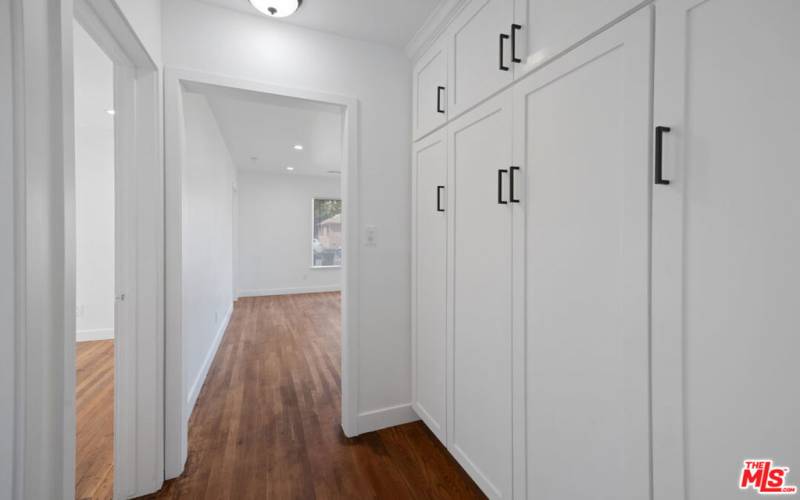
<point>581,136</point>
<point>726,241</point>
<point>549,27</point>
<point>430,90</point>
<point>480,48</point>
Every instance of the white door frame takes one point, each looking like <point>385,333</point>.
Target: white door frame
<point>177,411</point>
<point>44,208</point>
<point>138,409</point>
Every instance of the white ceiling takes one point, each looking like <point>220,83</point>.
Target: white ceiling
<point>266,127</point>
<point>390,22</point>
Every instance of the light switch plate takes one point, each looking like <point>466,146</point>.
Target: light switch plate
<point>370,236</point>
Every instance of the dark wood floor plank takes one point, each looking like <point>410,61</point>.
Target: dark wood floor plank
<point>267,421</point>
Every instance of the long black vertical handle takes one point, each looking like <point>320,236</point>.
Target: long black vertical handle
<point>500,186</point>
<point>514,28</point>
<point>439,99</point>
<point>659,174</point>
<point>503,37</point>
<point>439,198</point>
<point>511,190</point>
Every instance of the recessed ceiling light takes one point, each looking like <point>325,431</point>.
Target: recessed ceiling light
<point>111,112</point>
<point>289,168</point>
<point>298,147</point>
<point>276,8</point>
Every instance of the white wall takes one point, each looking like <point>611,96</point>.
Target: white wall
<point>7,324</point>
<point>275,233</point>
<point>209,176</point>
<point>145,18</point>
<point>215,40</point>
<point>94,189</point>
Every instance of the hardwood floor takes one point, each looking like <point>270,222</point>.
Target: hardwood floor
<point>267,422</point>
<point>94,392</point>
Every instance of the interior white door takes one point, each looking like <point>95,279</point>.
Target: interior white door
<point>478,52</point>
<point>430,282</point>
<point>430,90</point>
<point>726,241</point>
<point>582,136</point>
<point>480,434</point>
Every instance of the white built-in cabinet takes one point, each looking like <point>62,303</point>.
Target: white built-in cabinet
<point>608,306</point>
<point>550,27</point>
<point>430,91</point>
<point>726,244</point>
<point>481,434</point>
<point>429,278</point>
<point>581,136</point>
<point>480,52</point>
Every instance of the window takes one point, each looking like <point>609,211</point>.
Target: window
<point>326,242</point>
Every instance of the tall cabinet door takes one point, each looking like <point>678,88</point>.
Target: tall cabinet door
<point>430,282</point>
<point>582,136</point>
<point>726,241</point>
<point>430,90</point>
<point>480,434</point>
<point>478,52</point>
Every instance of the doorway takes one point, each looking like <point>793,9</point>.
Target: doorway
<point>117,279</point>
<point>261,168</point>
<point>95,241</point>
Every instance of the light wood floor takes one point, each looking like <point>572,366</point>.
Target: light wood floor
<point>94,461</point>
<point>267,422</point>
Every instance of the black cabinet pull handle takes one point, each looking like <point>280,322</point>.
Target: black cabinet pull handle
<point>503,67</point>
<point>514,28</point>
<point>659,174</point>
<point>511,189</point>
<point>439,99</point>
<point>500,186</point>
<point>439,198</point>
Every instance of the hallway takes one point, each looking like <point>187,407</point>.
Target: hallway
<point>267,422</point>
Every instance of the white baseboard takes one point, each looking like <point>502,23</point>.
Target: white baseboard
<point>97,334</point>
<point>191,399</point>
<point>266,292</point>
<point>386,417</point>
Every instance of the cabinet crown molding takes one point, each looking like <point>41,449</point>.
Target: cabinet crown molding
<point>433,27</point>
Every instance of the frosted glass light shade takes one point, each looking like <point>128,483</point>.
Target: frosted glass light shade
<point>276,8</point>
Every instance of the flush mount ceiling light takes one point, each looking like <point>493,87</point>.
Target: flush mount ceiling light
<point>276,8</point>
<point>298,147</point>
<point>289,168</point>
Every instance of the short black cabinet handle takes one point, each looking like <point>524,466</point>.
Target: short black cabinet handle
<point>439,99</point>
<point>503,37</point>
<point>659,174</point>
<point>500,186</point>
<point>511,189</point>
<point>439,198</point>
<point>514,28</point>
